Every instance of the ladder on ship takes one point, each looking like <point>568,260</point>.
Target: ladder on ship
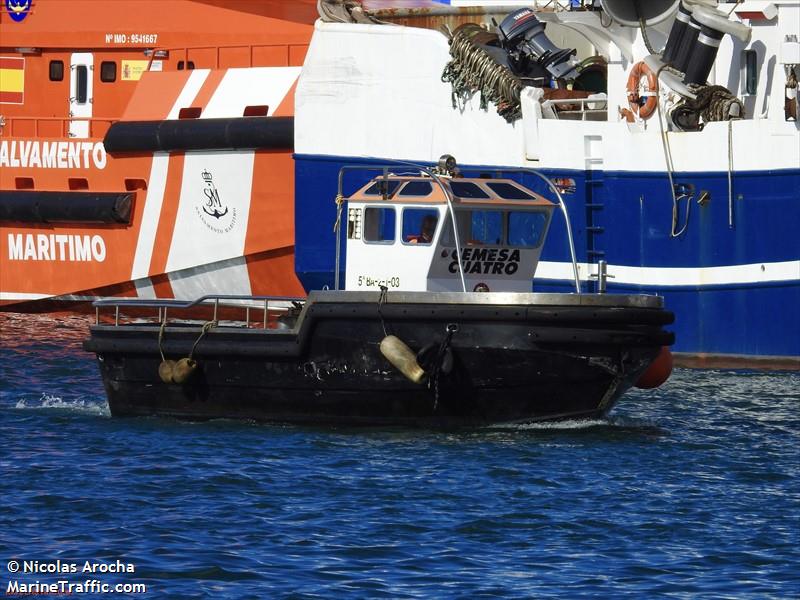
<point>593,206</point>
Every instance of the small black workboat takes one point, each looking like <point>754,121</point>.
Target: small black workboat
<point>436,326</point>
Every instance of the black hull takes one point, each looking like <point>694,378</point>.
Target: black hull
<point>510,364</point>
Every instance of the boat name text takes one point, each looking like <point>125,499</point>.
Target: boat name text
<point>56,247</point>
<point>486,261</point>
<point>52,155</point>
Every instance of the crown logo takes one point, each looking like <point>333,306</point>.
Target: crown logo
<point>207,177</point>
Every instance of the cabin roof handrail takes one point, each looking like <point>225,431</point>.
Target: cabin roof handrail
<point>448,194</point>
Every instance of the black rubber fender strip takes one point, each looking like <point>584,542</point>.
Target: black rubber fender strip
<point>260,133</point>
<point>30,206</point>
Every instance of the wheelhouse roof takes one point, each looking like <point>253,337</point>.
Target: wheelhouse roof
<point>373,192</point>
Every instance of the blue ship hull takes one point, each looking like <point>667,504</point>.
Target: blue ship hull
<point>626,219</point>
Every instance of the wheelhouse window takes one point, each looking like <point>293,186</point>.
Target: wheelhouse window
<point>379,225</point>
<point>108,71</point>
<point>526,228</point>
<point>477,228</point>
<point>419,225</point>
<point>81,84</point>
<point>508,191</point>
<point>417,188</point>
<point>56,70</point>
<point>383,187</point>
<point>467,189</point>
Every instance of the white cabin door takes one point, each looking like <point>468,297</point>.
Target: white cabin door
<point>81,76</point>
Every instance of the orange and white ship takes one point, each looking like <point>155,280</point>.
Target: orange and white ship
<point>192,191</point>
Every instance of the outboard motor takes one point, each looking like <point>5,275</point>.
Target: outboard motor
<point>522,36</point>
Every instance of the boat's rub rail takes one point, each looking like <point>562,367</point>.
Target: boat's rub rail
<point>549,324</point>
<point>499,298</point>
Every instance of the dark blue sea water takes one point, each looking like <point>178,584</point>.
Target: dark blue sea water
<point>689,491</point>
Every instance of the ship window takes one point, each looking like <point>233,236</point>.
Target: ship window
<point>56,70</point>
<point>416,188</point>
<point>419,225</point>
<point>382,187</point>
<point>476,228</point>
<point>509,192</point>
<point>466,189</point>
<point>526,229</point>
<point>108,71</point>
<point>81,84</point>
<point>185,65</point>
<point>486,227</point>
<point>379,225</point>
<point>750,79</point>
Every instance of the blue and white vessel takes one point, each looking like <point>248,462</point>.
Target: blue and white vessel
<point>673,133</point>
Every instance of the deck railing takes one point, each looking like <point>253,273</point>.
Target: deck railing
<point>588,109</point>
<point>219,303</point>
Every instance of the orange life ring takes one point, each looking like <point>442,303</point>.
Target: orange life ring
<point>644,110</point>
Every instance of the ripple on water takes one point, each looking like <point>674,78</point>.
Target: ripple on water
<point>689,490</point>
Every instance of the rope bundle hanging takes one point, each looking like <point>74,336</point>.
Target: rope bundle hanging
<point>472,70</point>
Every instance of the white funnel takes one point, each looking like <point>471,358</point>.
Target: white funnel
<point>629,12</point>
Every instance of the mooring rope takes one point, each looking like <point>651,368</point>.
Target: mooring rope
<point>730,174</point>
<point>207,326</point>
<point>161,338</point>
<point>381,302</point>
<point>433,380</point>
<point>339,205</point>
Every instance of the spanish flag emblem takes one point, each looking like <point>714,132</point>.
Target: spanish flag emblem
<point>12,80</point>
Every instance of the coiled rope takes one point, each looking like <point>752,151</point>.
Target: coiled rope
<point>473,70</point>
<point>715,103</point>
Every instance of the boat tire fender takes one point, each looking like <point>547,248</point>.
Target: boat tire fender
<point>642,104</point>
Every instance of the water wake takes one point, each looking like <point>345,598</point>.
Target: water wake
<point>50,402</point>
<point>611,423</point>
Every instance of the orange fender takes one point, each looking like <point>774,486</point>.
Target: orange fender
<point>658,371</point>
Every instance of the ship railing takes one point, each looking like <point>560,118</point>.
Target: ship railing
<point>588,109</point>
<point>52,127</point>
<point>230,56</point>
<point>220,304</point>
